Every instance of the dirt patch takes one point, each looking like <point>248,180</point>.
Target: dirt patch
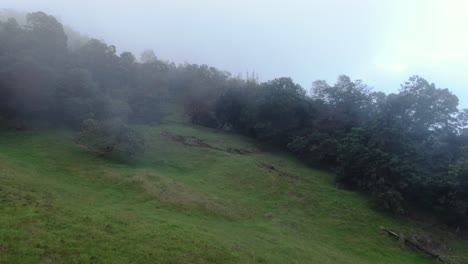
<point>187,141</point>
<point>240,151</point>
<point>275,170</point>
<point>192,141</point>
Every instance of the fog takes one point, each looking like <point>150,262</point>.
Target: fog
<point>380,41</point>
<point>217,113</point>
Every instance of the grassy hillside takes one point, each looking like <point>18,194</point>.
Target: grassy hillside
<point>197,196</point>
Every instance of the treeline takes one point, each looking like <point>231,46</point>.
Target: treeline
<point>41,79</point>
<point>48,78</point>
<point>408,150</point>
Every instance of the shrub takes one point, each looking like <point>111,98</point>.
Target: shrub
<point>110,138</point>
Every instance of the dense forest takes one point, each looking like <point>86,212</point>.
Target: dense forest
<point>408,150</point>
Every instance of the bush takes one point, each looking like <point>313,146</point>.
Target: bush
<point>110,138</point>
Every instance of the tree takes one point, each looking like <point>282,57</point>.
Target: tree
<point>148,56</point>
<point>381,160</point>
<point>111,138</point>
<point>280,107</point>
<point>421,108</point>
<point>452,190</point>
<point>231,108</point>
<point>198,88</point>
<point>77,97</point>
<point>48,39</point>
<point>346,104</point>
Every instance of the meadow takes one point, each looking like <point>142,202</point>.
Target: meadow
<point>196,196</point>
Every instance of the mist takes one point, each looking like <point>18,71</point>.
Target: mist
<point>380,42</point>
<point>235,132</point>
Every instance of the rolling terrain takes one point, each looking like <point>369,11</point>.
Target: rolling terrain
<point>196,196</point>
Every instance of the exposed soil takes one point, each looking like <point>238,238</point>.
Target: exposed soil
<point>273,169</point>
<point>192,141</point>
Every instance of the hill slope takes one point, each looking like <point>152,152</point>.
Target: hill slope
<point>197,196</point>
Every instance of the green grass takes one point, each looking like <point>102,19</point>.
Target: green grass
<point>183,204</point>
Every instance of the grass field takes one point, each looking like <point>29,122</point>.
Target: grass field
<point>193,201</point>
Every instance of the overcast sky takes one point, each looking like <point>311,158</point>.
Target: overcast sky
<point>382,42</point>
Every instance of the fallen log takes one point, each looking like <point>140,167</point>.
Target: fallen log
<point>417,246</point>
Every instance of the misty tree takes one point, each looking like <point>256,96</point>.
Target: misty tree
<point>231,109</point>
<point>280,108</point>
<point>421,108</point>
<point>47,38</point>
<point>198,87</point>
<point>111,138</point>
<point>348,103</point>
<point>77,97</point>
<point>148,56</point>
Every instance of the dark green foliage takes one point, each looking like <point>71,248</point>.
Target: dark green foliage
<point>346,104</point>
<point>111,138</point>
<point>315,147</point>
<point>279,109</point>
<point>270,112</point>
<point>404,149</point>
<point>379,160</point>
